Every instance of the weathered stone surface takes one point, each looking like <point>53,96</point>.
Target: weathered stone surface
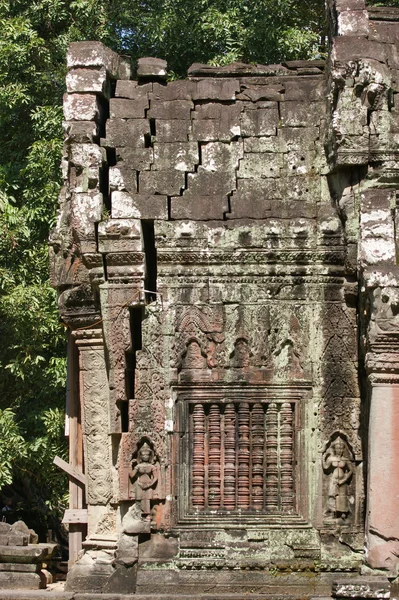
<point>121,108</point>
<point>176,130</point>
<point>138,159</point>
<point>138,206</point>
<point>123,178</point>
<point>119,235</point>
<point>132,90</point>
<point>88,81</point>
<point>216,89</point>
<point>127,133</point>
<point>151,68</point>
<point>174,90</point>
<point>227,261</point>
<point>217,156</point>
<point>170,109</point>
<point>168,183</point>
<point>33,553</point>
<point>80,132</point>
<point>209,183</point>
<point>199,208</point>
<point>95,54</point>
<point>16,581</point>
<point>176,155</point>
<point>261,122</point>
<point>81,107</point>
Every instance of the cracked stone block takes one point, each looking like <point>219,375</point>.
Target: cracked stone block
<point>259,122</point>
<point>201,208</point>
<point>130,132</point>
<point>176,155</point>
<point>162,182</point>
<point>300,139</point>
<point>216,122</point>
<point>80,107</point>
<point>216,89</point>
<point>176,130</point>
<point>355,47</point>
<point>138,206</point>
<point>216,110</point>
<point>217,156</point>
<point>132,90</point>
<point>122,108</point>
<point>262,92</point>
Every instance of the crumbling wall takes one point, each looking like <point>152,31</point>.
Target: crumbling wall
<point>212,237</point>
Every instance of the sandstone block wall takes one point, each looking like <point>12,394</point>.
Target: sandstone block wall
<point>226,261</point>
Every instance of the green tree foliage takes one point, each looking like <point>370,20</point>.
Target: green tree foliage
<point>33,42</point>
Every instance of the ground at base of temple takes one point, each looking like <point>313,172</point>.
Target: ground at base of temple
<point>378,589</point>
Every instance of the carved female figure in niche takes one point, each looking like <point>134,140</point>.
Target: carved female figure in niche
<point>338,465</point>
<point>144,478</point>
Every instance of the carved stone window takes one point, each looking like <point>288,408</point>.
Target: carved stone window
<point>239,453</point>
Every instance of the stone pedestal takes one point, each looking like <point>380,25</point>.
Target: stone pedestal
<point>20,561</point>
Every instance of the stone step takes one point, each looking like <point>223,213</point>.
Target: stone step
<point>56,595</point>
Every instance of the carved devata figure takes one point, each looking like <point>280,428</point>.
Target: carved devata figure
<point>144,477</point>
<point>337,464</point>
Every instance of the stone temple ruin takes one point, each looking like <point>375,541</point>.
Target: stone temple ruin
<point>226,259</point>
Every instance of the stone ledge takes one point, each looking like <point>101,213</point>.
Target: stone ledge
<point>52,595</point>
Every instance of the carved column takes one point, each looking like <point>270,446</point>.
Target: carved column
<point>94,398</point>
<point>382,524</point>
<point>380,282</point>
